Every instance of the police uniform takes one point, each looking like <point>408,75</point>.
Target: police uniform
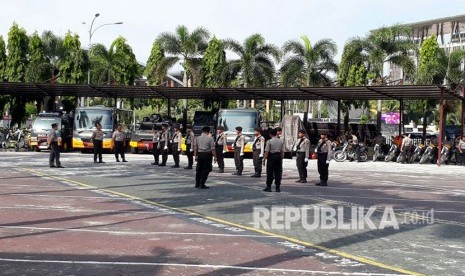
<point>274,151</point>
<point>156,146</point>
<point>258,148</point>
<point>323,150</point>
<point>461,152</point>
<point>220,147</point>
<point>120,138</point>
<point>163,146</point>
<point>406,149</point>
<point>176,147</point>
<point>189,148</point>
<point>52,139</point>
<point>97,140</point>
<point>204,152</point>
<point>239,145</point>
<point>302,150</point>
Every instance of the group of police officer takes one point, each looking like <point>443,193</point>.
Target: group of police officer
<point>206,149</point>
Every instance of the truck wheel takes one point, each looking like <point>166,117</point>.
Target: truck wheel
<point>134,150</point>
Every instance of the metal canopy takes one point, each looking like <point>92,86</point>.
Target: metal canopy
<point>398,92</point>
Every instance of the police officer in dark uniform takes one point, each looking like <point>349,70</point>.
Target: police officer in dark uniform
<point>302,150</point>
<point>323,149</point>
<point>204,151</point>
<point>53,139</point>
<point>119,141</point>
<point>220,147</point>
<point>163,145</point>
<point>189,147</point>
<point>176,146</point>
<point>156,145</point>
<point>274,153</point>
<point>258,148</point>
<point>239,146</point>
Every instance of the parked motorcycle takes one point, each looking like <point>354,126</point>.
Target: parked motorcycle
<point>349,152</point>
<point>380,151</point>
<point>418,152</point>
<point>448,154</point>
<point>14,140</point>
<point>428,155</point>
<point>393,153</point>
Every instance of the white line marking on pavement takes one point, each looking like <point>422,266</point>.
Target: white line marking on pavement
<point>131,233</point>
<point>75,210</point>
<point>200,266</point>
<point>56,196</point>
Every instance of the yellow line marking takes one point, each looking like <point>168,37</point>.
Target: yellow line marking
<point>193,213</point>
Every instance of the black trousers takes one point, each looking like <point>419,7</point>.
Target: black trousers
<point>156,153</point>
<point>98,149</point>
<point>238,160</point>
<point>257,162</point>
<point>164,153</point>
<point>190,155</point>
<point>323,167</point>
<point>301,165</point>
<point>274,169</point>
<point>175,152</point>
<point>460,157</point>
<point>357,151</point>
<point>220,157</point>
<point>119,149</point>
<point>407,154</point>
<point>204,167</point>
<point>54,154</point>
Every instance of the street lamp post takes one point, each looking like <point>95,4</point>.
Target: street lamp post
<point>91,33</point>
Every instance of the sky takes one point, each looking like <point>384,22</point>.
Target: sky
<point>277,20</point>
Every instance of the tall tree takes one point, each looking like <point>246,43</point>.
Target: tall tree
<point>73,66</point>
<point>255,64</point>
<point>115,65</point>
<point>308,65</point>
<point>38,66</point>
<point>158,64</point>
<point>55,52</point>
<point>16,70</point>
<point>213,64</point>
<point>3,99</point>
<point>189,46</point>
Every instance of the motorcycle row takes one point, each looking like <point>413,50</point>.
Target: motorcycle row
<point>14,139</point>
<point>422,153</point>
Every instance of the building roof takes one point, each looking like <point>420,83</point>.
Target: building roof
<point>437,26</point>
<point>397,92</point>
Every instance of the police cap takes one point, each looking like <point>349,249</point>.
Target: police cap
<point>302,131</point>
<point>239,128</point>
<point>54,125</point>
<point>259,129</point>
<point>220,128</point>
<point>279,129</point>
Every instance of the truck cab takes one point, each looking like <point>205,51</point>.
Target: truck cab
<point>41,126</point>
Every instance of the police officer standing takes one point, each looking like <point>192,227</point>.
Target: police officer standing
<point>323,149</point>
<point>220,147</point>
<point>176,146</point>
<point>119,140</point>
<point>189,147</point>
<point>355,145</point>
<point>274,153</point>
<point>239,145</point>
<point>163,145</point>
<point>156,145</point>
<point>258,148</point>
<point>97,140</point>
<point>406,149</point>
<point>204,150</point>
<point>53,139</point>
<point>302,150</point>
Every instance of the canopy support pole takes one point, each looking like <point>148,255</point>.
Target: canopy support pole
<point>282,109</point>
<point>378,115</point>
<point>441,127</point>
<point>401,116</point>
<point>184,114</point>
<point>338,127</point>
<point>463,112</point>
<point>169,108</point>
<point>306,113</point>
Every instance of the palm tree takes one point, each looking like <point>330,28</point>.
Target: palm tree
<point>54,52</point>
<point>308,65</point>
<point>189,46</point>
<point>255,64</point>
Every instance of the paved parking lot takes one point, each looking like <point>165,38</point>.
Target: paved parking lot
<point>137,219</point>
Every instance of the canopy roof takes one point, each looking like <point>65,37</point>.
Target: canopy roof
<point>398,92</point>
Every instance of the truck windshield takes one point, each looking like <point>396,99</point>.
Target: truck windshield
<point>231,120</point>
<point>41,124</point>
<point>87,118</point>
